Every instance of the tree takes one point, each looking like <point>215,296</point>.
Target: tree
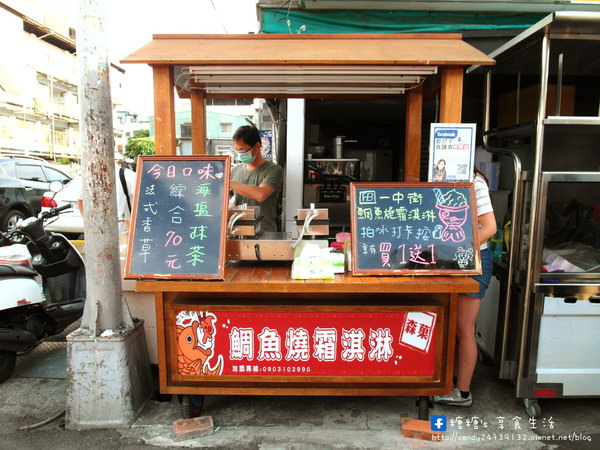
<point>139,144</point>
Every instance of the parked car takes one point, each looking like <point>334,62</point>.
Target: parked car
<point>23,182</point>
<point>69,222</point>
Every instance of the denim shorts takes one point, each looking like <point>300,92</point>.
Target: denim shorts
<point>486,274</point>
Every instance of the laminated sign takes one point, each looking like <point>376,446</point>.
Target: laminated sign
<point>451,151</point>
<point>179,218</point>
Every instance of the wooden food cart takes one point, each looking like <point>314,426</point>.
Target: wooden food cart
<point>263,290</point>
<point>259,301</point>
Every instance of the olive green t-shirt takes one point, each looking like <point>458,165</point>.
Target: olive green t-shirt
<point>267,173</point>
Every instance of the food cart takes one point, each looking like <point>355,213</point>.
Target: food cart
<point>235,324</point>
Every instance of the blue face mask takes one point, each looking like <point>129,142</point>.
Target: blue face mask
<point>246,157</point>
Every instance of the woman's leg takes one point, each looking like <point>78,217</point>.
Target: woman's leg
<point>468,309</point>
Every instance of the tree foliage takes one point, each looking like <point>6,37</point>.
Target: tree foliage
<point>139,144</point>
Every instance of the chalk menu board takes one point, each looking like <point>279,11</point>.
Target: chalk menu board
<point>420,228</point>
<point>179,218</point>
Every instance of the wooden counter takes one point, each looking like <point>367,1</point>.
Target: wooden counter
<point>252,277</point>
<point>255,291</point>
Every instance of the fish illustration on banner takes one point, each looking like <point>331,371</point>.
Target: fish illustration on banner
<point>195,344</point>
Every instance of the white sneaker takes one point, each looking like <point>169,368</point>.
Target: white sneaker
<point>453,399</point>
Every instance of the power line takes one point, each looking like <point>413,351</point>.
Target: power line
<point>219,16</point>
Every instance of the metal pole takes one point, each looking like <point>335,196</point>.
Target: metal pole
<point>52,127</point>
<point>559,79</point>
<point>103,304</point>
<point>507,370</point>
<point>533,252</point>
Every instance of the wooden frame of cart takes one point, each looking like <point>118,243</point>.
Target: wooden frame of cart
<point>252,291</point>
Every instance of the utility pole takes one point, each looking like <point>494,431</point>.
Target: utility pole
<point>104,352</point>
<point>103,310</point>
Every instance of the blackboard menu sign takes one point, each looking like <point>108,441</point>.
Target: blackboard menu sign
<point>179,218</point>
<point>419,229</point>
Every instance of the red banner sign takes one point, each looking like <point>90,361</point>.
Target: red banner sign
<point>257,343</point>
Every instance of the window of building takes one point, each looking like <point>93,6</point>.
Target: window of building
<point>226,127</point>
<point>60,97</point>
<point>25,124</point>
<point>4,128</point>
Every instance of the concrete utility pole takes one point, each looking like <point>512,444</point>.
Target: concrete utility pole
<point>103,311</point>
<point>108,350</point>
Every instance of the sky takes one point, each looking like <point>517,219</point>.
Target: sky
<point>131,24</point>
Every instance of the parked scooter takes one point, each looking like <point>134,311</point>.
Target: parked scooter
<point>29,313</point>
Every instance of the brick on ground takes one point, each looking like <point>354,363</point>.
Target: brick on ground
<point>192,428</point>
<point>419,429</point>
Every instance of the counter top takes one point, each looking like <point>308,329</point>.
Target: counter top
<point>256,277</point>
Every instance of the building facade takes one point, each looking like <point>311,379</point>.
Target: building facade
<point>39,79</point>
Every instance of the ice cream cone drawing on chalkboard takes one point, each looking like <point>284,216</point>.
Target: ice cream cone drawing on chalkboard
<point>453,212</point>
<point>196,343</point>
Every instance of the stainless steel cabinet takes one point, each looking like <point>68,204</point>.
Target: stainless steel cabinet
<point>542,124</point>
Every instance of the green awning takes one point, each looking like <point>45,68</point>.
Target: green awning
<point>377,21</point>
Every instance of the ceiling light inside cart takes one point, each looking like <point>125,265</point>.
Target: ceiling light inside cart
<point>296,79</point>
<point>303,90</point>
<point>303,79</point>
<point>281,70</point>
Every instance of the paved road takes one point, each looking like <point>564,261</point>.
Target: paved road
<point>302,422</point>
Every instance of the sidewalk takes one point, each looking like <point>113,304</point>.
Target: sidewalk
<point>38,391</point>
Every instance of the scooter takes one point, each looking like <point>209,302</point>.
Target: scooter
<point>30,312</point>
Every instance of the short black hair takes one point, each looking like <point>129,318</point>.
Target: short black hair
<point>248,134</point>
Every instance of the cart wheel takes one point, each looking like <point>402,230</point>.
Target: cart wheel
<point>532,407</point>
<point>8,359</point>
<point>423,407</point>
<point>191,405</point>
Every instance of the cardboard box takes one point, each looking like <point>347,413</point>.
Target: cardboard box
<point>491,170</point>
<point>528,104</point>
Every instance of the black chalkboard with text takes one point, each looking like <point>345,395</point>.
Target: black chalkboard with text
<point>418,228</point>
<point>179,218</point>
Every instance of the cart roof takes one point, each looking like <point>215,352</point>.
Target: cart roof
<point>309,49</point>
<point>303,65</point>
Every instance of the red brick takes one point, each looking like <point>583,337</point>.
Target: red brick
<point>419,429</point>
<point>192,428</point>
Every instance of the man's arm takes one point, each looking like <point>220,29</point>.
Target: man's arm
<point>258,193</point>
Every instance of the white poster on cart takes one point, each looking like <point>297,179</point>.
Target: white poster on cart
<point>451,152</point>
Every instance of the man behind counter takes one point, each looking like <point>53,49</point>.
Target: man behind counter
<point>256,181</point>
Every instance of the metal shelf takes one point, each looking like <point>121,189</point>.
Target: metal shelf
<point>572,120</point>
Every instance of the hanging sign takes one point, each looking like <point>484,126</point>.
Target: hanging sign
<point>266,143</point>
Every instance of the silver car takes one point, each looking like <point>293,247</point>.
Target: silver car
<point>69,222</point>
